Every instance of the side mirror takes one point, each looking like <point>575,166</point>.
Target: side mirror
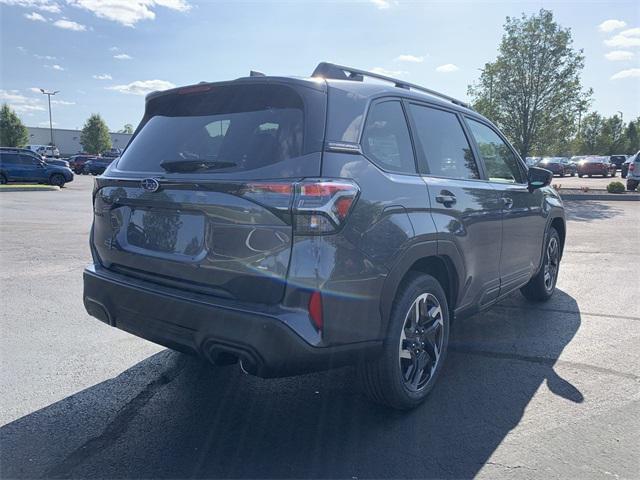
<point>538,178</point>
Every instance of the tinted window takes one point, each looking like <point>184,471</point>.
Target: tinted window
<point>28,160</point>
<point>386,138</point>
<point>500,162</point>
<point>230,128</point>
<point>8,158</point>
<point>444,143</point>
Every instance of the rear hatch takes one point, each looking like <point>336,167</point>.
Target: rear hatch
<point>201,198</point>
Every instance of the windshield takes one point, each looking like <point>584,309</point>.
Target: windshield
<point>230,128</point>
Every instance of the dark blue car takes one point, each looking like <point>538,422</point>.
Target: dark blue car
<point>21,165</point>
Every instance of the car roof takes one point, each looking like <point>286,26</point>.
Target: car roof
<point>363,89</point>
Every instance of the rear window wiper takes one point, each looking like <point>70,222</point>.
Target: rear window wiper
<point>194,165</point>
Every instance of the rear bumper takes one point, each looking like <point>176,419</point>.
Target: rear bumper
<point>270,342</point>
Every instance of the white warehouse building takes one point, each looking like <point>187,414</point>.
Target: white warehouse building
<point>68,141</point>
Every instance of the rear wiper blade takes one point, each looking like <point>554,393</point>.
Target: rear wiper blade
<point>194,165</point>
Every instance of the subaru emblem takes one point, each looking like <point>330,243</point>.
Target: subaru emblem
<point>150,185</point>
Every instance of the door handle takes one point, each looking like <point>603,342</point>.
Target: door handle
<point>446,198</point>
<point>507,202</point>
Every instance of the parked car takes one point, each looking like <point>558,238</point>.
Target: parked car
<point>112,153</point>
<point>557,165</point>
<point>57,161</point>
<point>97,165</point>
<point>633,173</point>
<point>247,221</point>
<point>596,166</point>
<point>532,161</point>
<point>77,162</point>
<point>618,160</point>
<point>23,165</point>
<point>625,166</point>
<point>570,167</point>
<point>45,150</point>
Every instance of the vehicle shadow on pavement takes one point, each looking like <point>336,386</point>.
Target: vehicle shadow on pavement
<point>172,416</point>
<point>589,210</point>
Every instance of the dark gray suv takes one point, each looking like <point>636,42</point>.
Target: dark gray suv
<point>301,224</point>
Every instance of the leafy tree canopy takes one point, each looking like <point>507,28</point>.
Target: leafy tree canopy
<point>95,136</point>
<point>13,133</point>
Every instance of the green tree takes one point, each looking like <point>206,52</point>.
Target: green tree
<point>533,90</point>
<point>12,131</point>
<point>631,137</point>
<point>95,135</point>
<point>590,134</point>
<point>128,128</point>
<point>611,140</point>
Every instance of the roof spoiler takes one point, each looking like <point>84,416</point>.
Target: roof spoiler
<point>340,72</point>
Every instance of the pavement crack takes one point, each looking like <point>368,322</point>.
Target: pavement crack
<point>115,428</point>
<point>550,362</point>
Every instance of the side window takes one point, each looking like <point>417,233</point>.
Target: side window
<point>444,143</point>
<point>386,140</point>
<point>28,160</point>
<point>500,162</point>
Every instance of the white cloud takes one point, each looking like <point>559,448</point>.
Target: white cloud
<point>21,49</point>
<point>409,58</point>
<point>142,87</point>
<point>611,25</point>
<point>44,57</point>
<point>627,38</point>
<point>128,12</point>
<point>381,4</point>
<point>629,73</point>
<point>44,5</point>
<point>388,73</point>
<point>631,32</point>
<point>69,25</point>
<point>56,67</point>
<point>122,56</point>
<point>62,102</point>
<point>447,68</point>
<point>103,76</point>
<point>619,55</point>
<point>20,103</point>
<point>114,49</point>
<point>36,17</point>
<point>46,123</point>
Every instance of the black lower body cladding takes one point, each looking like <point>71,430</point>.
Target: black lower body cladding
<point>265,341</point>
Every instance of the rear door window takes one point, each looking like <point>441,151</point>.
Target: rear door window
<point>228,128</point>
<point>386,141</point>
<point>444,144</point>
<point>500,162</point>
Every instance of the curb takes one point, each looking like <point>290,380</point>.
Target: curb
<point>607,197</point>
<point>28,188</point>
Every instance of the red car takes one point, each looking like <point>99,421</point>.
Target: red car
<point>76,163</point>
<point>596,166</point>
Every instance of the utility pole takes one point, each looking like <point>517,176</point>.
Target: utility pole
<point>49,94</point>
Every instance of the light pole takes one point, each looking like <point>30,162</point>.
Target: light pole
<point>49,94</point>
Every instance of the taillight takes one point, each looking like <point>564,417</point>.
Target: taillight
<point>321,206</point>
<point>315,309</point>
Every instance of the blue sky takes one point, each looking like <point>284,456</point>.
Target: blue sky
<point>104,55</point>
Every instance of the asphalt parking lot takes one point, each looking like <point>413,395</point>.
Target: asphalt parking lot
<point>596,182</point>
<point>528,391</point>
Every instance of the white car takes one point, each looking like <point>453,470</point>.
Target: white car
<point>633,174</point>
<point>45,150</point>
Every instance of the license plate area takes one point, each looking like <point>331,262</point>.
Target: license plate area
<point>166,233</point>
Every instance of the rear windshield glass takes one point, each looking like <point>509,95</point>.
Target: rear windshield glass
<point>225,129</point>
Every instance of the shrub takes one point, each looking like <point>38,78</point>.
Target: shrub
<point>615,187</point>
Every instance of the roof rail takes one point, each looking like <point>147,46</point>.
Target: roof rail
<point>340,72</point>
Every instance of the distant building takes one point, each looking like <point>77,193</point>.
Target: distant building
<point>68,141</point>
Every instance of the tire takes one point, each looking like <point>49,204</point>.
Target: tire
<point>589,175</point>
<point>580,175</point>
<point>388,379</point>
<point>3,180</point>
<point>613,175</point>
<point>57,180</point>
<point>573,174</point>
<point>540,288</point>
<point>631,185</point>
